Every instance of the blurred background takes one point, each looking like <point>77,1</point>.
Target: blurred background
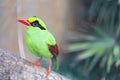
<point>87,32</point>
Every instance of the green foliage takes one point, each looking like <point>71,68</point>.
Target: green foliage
<point>99,47</point>
<point>97,54</point>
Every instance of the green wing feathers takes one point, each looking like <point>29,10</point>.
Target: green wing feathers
<point>51,40</point>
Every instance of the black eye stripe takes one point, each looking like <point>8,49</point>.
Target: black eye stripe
<point>36,24</point>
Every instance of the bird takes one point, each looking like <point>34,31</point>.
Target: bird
<point>40,41</point>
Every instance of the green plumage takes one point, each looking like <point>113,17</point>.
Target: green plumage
<point>37,41</point>
<point>40,41</point>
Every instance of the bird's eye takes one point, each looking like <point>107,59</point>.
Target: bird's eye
<point>35,24</point>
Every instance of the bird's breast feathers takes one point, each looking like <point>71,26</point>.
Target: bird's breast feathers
<point>37,41</point>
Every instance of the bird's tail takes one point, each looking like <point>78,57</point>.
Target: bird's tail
<point>56,62</point>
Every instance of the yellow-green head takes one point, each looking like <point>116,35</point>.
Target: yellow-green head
<point>34,21</point>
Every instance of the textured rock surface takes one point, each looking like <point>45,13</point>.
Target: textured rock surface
<point>16,68</point>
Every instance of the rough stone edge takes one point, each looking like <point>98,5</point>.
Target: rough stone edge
<point>13,67</point>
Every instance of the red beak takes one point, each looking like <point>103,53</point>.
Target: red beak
<point>24,21</point>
